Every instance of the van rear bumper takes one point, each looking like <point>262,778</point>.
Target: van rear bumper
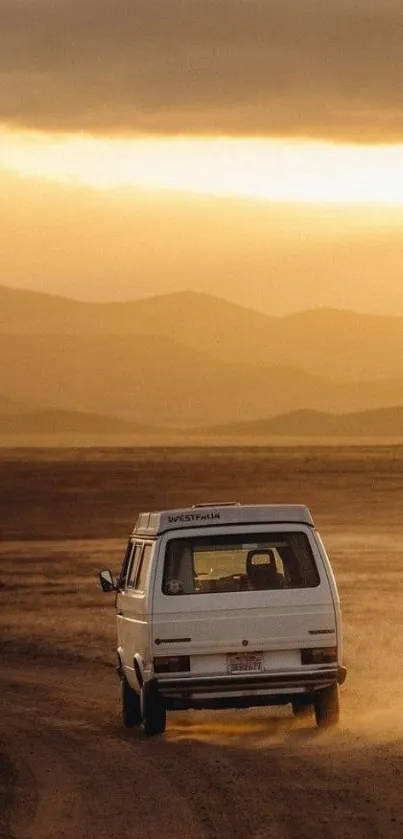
<point>176,686</point>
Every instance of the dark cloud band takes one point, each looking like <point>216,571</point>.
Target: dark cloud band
<point>316,68</point>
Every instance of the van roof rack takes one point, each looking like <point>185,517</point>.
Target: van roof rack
<point>217,504</point>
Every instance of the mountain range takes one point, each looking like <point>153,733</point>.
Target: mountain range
<point>192,361</point>
<point>385,422</point>
<point>336,344</point>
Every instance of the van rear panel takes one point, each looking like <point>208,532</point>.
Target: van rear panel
<point>250,611</point>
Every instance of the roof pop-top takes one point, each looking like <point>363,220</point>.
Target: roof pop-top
<point>201,515</point>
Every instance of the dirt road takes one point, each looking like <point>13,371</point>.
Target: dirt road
<point>74,772</point>
<point>67,769</point>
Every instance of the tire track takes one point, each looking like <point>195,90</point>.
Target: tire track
<point>224,805</point>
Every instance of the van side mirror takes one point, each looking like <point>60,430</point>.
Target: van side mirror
<point>106,580</point>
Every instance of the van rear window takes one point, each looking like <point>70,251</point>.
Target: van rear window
<point>256,562</point>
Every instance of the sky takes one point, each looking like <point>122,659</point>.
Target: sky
<point>248,148</point>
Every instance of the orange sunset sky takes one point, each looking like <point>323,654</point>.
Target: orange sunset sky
<point>251,149</point>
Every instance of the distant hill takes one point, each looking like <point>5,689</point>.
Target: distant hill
<point>153,380</point>
<point>333,344</point>
<point>385,422</point>
<point>190,360</point>
<point>67,422</point>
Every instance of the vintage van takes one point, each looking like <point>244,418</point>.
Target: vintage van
<point>227,606</point>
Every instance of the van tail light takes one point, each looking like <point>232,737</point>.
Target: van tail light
<point>172,664</point>
<point>319,655</point>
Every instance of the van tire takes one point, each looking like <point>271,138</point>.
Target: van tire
<point>327,707</point>
<point>154,711</point>
<point>131,710</point>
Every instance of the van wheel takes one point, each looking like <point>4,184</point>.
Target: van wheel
<point>300,710</point>
<point>131,711</point>
<point>327,706</point>
<point>154,711</point>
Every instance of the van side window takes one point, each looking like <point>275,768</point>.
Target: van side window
<point>141,577</point>
<point>125,564</point>
<point>132,574</point>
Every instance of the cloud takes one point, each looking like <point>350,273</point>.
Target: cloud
<point>310,68</point>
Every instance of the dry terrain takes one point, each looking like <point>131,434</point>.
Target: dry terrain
<point>67,769</point>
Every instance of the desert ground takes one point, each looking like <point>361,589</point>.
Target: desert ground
<point>68,769</point>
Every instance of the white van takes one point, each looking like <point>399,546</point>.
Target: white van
<point>226,606</point>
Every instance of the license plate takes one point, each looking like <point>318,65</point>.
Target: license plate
<point>245,663</point>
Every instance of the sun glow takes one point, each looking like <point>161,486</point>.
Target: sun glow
<point>276,170</point>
